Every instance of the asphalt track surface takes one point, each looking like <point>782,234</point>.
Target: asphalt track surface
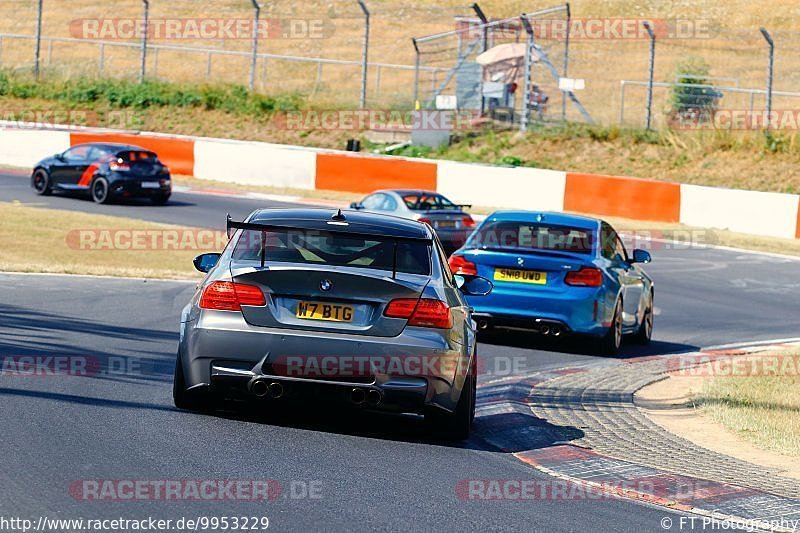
<point>371,473</point>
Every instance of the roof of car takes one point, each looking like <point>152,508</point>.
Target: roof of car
<point>115,146</point>
<point>403,192</point>
<point>356,221</point>
<point>559,219</point>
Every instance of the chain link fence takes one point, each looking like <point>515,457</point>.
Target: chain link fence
<point>707,71</point>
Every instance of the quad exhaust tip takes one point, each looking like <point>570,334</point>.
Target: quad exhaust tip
<point>261,388</point>
<point>371,397</point>
<point>358,396</point>
<point>374,397</point>
<point>275,390</point>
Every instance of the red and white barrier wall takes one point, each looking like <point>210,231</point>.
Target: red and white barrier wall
<point>257,163</point>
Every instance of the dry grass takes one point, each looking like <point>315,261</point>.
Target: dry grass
<point>44,240</point>
<point>739,161</point>
<point>731,45</point>
<point>763,409</point>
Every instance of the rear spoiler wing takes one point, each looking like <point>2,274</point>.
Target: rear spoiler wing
<point>336,228</point>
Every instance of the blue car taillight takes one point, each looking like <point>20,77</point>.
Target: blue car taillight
<point>585,277</point>
<point>459,265</point>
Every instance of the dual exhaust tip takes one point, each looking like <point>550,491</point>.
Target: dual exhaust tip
<point>371,397</point>
<point>543,329</point>
<point>262,388</point>
<point>554,331</point>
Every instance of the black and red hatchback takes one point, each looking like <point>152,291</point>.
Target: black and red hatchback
<point>105,171</point>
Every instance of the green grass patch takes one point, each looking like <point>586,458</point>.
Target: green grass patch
<point>127,94</point>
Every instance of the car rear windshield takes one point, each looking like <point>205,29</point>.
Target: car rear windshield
<point>333,249</point>
<point>128,156</point>
<point>428,202</point>
<point>533,236</point>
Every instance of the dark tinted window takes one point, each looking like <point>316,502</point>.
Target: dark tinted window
<point>533,236</point>
<point>427,202</point>
<point>78,153</point>
<point>323,248</point>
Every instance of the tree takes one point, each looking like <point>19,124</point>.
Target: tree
<point>692,104</point>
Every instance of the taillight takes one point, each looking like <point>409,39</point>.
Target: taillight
<point>119,165</point>
<point>425,312</point>
<point>425,220</point>
<point>585,277</point>
<point>459,265</point>
<point>467,222</point>
<point>229,296</point>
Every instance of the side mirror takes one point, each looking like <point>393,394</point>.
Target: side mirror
<point>60,157</point>
<point>473,285</point>
<point>206,262</point>
<point>356,205</point>
<point>641,256</point>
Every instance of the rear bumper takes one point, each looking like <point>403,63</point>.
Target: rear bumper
<point>401,395</point>
<point>125,186</point>
<point>412,371</point>
<point>545,326</point>
<point>577,311</point>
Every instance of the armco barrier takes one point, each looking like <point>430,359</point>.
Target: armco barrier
<point>257,163</point>
<point>797,230</point>
<point>254,163</point>
<point>510,187</point>
<point>25,147</point>
<point>363,174</point>
<point>759,213</point>
<point>176,152</point>
<point>615,196</point>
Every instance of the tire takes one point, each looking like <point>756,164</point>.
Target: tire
<point>41,182</point>
<point>100,193</point>
<point>645,331</point>
<point>182,398</point>
<point>457,425</point>
<point>612,340</point>
<point>160,199</point>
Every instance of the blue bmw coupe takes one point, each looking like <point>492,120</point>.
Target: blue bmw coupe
<point>558,274</point>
